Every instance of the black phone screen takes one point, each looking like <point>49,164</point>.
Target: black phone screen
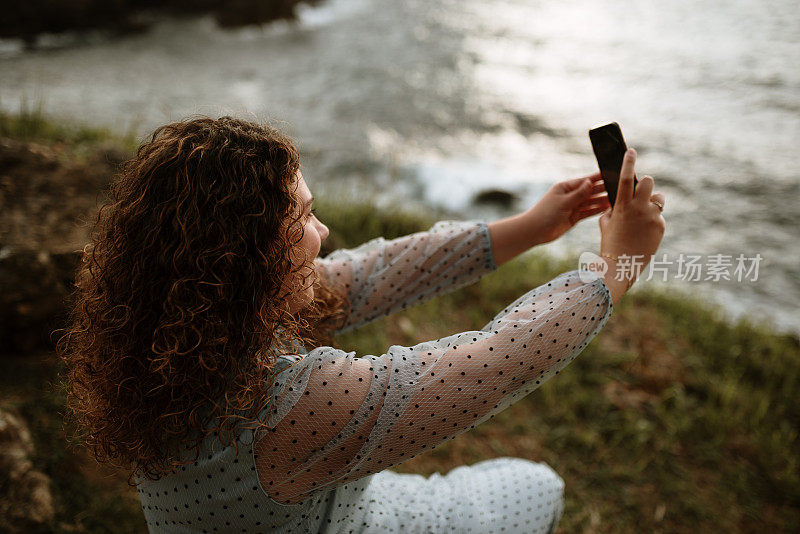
<point>609,149</point>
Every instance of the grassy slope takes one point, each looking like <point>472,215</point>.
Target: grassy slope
<point>672,420</point>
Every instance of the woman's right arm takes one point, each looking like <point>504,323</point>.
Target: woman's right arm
<point>336,418</point>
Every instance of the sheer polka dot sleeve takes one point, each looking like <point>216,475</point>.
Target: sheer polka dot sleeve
<point>384,276</point>
<point>337,417</point>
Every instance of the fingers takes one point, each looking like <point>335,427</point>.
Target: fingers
<point>600,196</point>
<point>644,190</point>
<point>598,187</point>
<point>592,206</point>
<point>575,184</point>
<point>588,212</point>
<point>658,197</point>
<point>603,220</point>
<point>625,189</point>
<point>603,204</point>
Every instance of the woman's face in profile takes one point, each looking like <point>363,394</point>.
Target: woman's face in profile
<point>314,233</point>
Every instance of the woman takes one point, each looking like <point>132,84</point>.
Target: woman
<point>201,357</point>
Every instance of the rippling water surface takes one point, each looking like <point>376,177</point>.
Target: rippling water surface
<point>435,101</point>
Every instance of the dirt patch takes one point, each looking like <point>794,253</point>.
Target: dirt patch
<point>639,330</point>
<point>624,396</point>
<point>47,202</point>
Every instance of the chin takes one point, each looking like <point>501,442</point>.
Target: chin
<point>307,299</point>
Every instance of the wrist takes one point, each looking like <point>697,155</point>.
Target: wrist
<point>618,281</point>
<point>513,235</point>
<point>536,232</point>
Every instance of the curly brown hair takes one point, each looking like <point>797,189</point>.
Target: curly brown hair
<point>176,318</point>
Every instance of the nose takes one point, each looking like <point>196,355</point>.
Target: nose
<point>323,232</point>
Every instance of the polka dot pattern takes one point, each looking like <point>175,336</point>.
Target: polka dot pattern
<point>509,495</point>
<point>337,422</point>
<point>383,277</point>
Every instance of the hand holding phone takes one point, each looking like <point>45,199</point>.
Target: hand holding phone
<point>609,148</point>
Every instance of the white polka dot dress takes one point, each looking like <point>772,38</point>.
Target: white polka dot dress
<point>337,422</point>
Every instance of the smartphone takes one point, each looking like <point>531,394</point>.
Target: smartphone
<point>609,148</point>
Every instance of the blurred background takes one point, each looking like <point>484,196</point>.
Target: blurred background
<point>443,102</point>
<point>464,108</point>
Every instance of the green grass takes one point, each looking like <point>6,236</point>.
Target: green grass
<point>674,418</point>
<point>32,124</point>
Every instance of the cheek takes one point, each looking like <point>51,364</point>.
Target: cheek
<point>310,244</point>
<point>312,239</point>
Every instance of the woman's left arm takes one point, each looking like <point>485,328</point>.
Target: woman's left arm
<point>384,276</point>
<point>564,204</point>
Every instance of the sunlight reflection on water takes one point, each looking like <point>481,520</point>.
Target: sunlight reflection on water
<point>455,97</point>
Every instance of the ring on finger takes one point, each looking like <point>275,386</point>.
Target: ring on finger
<point>659,204</point>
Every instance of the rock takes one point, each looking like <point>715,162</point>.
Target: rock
<point>496,196</point>
<point>237,13</point>
<point>26,501</point>
<point>34,288</point>
<point>39,17</point>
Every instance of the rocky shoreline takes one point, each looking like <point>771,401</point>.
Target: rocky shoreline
<point>28,20</point>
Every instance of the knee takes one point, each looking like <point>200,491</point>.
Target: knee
<point>552,489</point>
<point>547,483</point>
<point>552,480</point>
<point>542,475</point>
<point>546,490</point>
<point>541,493</point>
